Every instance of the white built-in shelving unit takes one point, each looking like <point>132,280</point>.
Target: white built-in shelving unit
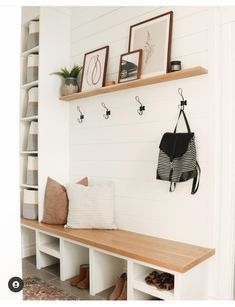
<point>53,117</point>
<point>26,121</point>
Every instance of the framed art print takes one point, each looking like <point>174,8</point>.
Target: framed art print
<point>154,37</point>
<point>94,69</point>
<point>130,66</point>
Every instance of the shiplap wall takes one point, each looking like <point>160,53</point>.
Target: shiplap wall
<point>124,148</point>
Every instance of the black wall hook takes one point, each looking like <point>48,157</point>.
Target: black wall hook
<point>107,113</point>
<point>183,102</point>
<point>81,117</point>
<point>141,109</point>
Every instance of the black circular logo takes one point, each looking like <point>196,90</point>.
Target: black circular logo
<point>15,284</point>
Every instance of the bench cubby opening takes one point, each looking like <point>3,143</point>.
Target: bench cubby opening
<point>140,272</point>
<point>44,260</point>
<point>104,268</point>
<point>48,244</point>
<point>72,256</point>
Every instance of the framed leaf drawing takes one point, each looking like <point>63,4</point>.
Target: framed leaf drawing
<point>94,69</point>
<point>154,37</point>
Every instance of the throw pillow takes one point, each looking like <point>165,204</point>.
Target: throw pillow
<point>91,207</point>
<point>56,202</point>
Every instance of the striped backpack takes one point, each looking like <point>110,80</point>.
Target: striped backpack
<point>177,160</point>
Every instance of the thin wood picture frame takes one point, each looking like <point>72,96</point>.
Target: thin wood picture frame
<point>94,69</point>
<point>154,36</point>
<point>130,66</point>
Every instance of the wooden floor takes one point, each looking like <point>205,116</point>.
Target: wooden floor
<point>172,255</point>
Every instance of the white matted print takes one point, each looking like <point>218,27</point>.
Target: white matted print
<point>94,69</point>
<point>154,37</point>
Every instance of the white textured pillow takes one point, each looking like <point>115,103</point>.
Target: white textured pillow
<point>91,207</point>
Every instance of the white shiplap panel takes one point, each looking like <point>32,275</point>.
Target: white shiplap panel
<point>141,151</point>
<point>182,46</point>
<point>110,21</point>
<point>181,28</point>
<point>168,226</point>
<point>124,148</point>
<point>120,169</point>
<point>86,14</point>
<point>149,190</point>
<point>122,29</point>
<point>189,25</point>
<point>190,44</point>
<point>149,132</point>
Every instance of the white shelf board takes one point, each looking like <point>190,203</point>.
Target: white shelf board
<point>29,152</point>
<point>52,249</point>
<point>163,294</point>
<point>29,85</point>
<point>27,52</point>
<point>28,119</point>
<point>29,186</point>
<point>36,18</point>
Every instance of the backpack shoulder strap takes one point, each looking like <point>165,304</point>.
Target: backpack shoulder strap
<point>185,119</point>
<point>196,180</point>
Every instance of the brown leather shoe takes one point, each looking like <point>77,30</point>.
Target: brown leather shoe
<point>84,283</point>
<point>76,280</point>
<point>123,296</point>
<point>118,287</point>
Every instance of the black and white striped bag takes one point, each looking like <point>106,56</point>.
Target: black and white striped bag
<point>177,160</point>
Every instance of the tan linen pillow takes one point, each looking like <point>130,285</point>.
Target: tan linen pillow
<point>56,202</point>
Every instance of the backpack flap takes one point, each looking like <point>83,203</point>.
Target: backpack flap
<point>175,144</point>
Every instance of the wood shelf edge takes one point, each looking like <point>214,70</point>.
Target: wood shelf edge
<point>185,73</point>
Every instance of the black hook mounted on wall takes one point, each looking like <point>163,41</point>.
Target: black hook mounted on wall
<point>183,102</point>
<point>141,109</point>
<point>107,113</point>
<point>81,117</point>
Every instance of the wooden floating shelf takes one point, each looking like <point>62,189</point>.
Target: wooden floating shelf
<point>185,73</point>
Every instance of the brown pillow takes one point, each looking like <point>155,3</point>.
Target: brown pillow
<point>56,202</point>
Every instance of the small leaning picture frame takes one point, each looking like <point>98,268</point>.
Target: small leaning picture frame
<point>130,66</point>
<point>94,69</point>
<point>154,36</point>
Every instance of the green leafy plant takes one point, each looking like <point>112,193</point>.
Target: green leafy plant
<point>65,73</point>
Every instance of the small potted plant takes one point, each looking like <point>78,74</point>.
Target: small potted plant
<point>70,78</point>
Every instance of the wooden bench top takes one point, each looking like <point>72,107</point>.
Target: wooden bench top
<point>172,255</point>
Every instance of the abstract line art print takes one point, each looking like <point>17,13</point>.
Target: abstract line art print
<point>94,69</point>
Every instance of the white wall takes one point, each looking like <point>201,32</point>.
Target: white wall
<point>125,147</point>
<point>53,136</point>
